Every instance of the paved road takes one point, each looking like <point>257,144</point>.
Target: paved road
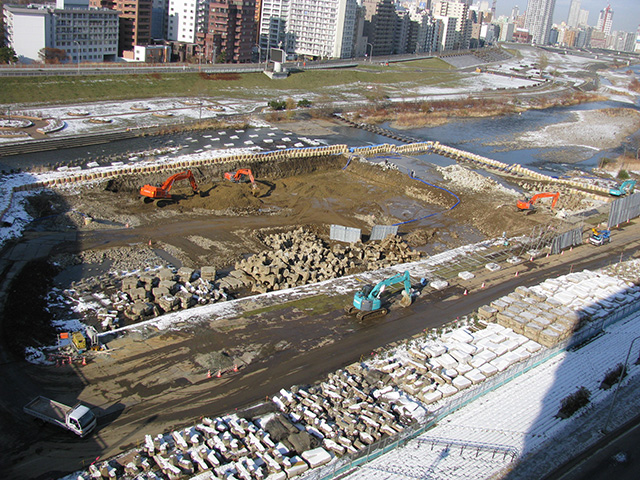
<point>615,456</point>
<point>151,384</point>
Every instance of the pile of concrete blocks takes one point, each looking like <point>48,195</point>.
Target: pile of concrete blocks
<point>552,311</point>
<point>144,295</point>
<point>226,447</point>
<point>350,410</point>
<point>432,370</point>
<point>300,257</point>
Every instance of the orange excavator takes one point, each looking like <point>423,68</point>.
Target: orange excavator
<point>240,175</point>
<point>154,192</point>
<point>527,206</point>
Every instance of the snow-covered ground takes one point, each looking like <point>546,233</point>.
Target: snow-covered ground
<point>520,415</point>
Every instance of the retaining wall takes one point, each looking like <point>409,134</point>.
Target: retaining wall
<point>310,152</point>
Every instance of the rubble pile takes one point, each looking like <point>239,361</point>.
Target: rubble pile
<point>432,370</point>
<point>353,408</point>
<point>303,428</point>
<point>148,294</point>
<point>300,257</point>
<point>550,312</point>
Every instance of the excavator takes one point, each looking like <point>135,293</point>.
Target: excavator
<point>240,175</point>
<point>527,206</point>
<point>151,192</point>
<point>624,189</point>
<point>367,302</point>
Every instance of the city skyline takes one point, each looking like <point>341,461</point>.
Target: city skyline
<point>626,13</point>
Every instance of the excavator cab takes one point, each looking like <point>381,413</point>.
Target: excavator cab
<point>151,192</point>
<point>528,205</point>
<point>240,176</point>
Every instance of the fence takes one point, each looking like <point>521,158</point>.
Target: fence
<point>373,451</point>
<point>567,239</point>
<point>624,209</point>
<point>345,234</point>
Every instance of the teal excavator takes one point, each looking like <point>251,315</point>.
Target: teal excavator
<point>367,302</point>
<point>624,189</point>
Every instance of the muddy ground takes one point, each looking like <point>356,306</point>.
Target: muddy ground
<point>225,222</point>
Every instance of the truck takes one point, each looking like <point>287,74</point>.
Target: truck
<point>79,418</point>
<point>600,237</point>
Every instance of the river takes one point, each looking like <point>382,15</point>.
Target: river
<point>472,135</point>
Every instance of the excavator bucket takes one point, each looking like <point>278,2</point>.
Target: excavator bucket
<point>405,301</point>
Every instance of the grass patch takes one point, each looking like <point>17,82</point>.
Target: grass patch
<point>315,305</point>
<point>63,89</point>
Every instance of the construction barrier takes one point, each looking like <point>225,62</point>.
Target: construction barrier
<point>319,151</point>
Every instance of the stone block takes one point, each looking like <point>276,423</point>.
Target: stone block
<point>208,273</point>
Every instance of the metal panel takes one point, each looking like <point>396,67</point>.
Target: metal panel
<point>624,209</point>
<point>345,234</point>
<point>380,232</point>
<point>567,239</point>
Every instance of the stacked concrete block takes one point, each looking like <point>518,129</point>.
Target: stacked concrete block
<point>300,257</point>
<point>550,312</point>
<point>166,290</point>
<point>435,370</point>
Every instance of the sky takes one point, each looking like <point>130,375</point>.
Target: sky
<point>626,13</point>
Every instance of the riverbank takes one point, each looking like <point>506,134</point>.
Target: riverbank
<point>409,115</point>
<point>587,131</point>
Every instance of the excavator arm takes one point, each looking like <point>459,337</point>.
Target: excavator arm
<point>162,191</point>
<point>528,205</point>
<point>239,176</point>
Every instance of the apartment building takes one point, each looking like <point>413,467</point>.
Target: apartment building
<point>135,23</point>
<point>310,28</point>
<point>229,32</point>
<point>85,34</point>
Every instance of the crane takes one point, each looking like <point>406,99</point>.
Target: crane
<point>240,175</point>
<point>155,192</point>
<point>599,237</point>
<point>625,188</point>
<point>525,205</point>
<point>367,302</point>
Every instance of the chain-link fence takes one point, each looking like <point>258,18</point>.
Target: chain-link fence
<point>373,451</point>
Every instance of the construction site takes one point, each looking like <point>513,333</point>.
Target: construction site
<point>289,306</point>
<point>167,293</point>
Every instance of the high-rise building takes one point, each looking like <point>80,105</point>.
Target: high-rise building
<point>314,28</point>
<point>85,34</point>
<point>228,33</point>
<point>380,26</point>
<point>604,20</point>
<point>135,23</point>
<point>457,35</point>
<point>181,21</point>
<point>574,13</point>
<point>538,20</point>
<point>583,18</point>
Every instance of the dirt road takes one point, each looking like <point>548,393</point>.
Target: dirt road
<point>153,383</point>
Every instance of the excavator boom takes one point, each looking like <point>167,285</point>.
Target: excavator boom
<point>239,176</point>
<point>153,192</point>
<point>528,205</point>
<point>367,302</point>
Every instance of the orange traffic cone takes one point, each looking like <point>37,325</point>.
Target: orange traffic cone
<point>516,274</point>
<point>84,361</point>
<point>219,374</point>
<point>235,367</point>
<point>465,291</point>
<point>482,285</point>
<point>149,242</point>
<point>208,373</point>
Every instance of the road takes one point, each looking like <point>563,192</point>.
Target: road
<point>153,383</point>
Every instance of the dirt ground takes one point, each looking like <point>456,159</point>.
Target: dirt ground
<point>315,196</point>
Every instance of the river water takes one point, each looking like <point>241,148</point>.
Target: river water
<point>472,135</point>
